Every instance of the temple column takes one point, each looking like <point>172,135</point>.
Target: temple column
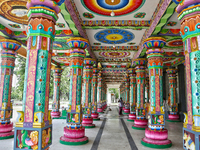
<point>156,135</point>
<point>133,97</point>
<point>173,116</point>
<point>147,91</point>
<point>74,132</point>
<point>190,31</point>
<point>56,94</point>
<point>33,129</point>
<point>140,122</point>
<point>87,89</point>
<point>94,114</point>
<point>100,93</point>
<point>8,55</point>
<point>127,95</point>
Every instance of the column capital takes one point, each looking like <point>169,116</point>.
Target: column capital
<point>53,4</point>
<point>78,42</point>
<point>10,44</point>
<point>89,61</point>
<point>154,44</point>
<point>184,5</point>
<point>140,62</point>
<point>171,71</point>
<point>57,70</point>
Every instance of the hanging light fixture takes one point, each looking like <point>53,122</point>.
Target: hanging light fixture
<point>112,14</point>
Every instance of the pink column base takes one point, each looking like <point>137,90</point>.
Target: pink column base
<point>143,122</point>
<point>140,124</point>
<point>156,135</point>
<point>127,111</point>
<point>132,116</point>
<point>6,128</point>
<point>173,117</point>
<point>74,133</point>
<point>156,142</point>
<point>55,114</point>
<point>88,122</point>
<point>64,139</point>
<point>100,110</point>
<point>95,115</point>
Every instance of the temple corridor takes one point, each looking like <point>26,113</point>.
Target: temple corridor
<point>109,134</point>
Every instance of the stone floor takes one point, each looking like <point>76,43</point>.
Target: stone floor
<point>115,135</point>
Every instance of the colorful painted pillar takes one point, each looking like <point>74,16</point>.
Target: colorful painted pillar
<point>33,128</point>
<point>140,122</point>
<point>100,93</point>
<point>156,135</point>
<point>147,91</point>
<point>74,132</point>
<point>55,114</point>
<point>94,114</point>
<point>173,116</point>
<point>127,94</point>
<point>133,92</point>
<point>87,89</point>
<point>8,53</point>
<point>190,31</point>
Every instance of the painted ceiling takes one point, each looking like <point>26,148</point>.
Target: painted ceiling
<point>115,30</point>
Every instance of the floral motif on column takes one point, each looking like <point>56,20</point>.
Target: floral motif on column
<point>140,121</point>
<point>133,96</point>
<point>94,114</point>
<point>173,116</point>
<point>87,89</point>
<point>8,55</point>
<point>156,135</point>
<point>74,132</point>
<point>33,129</point>
<point>56,94</point>
<point>189,17</point>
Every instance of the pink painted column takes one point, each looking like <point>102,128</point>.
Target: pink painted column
<point>127,94</point>
<point>100,93</point>
<point>33,128</point>
<point>189,16</point>
<point>156,136</point>
<point>87,89</point>
<point>133,90</point>
<point>55,114</point>
<point>74,132</point>
<point>140,122</point>
<point>94,114</point>
<point>173,116</point>
<point>8,53</point>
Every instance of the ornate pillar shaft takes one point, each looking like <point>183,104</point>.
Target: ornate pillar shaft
<point>100,93</point>
<point>8,53</point>
<point>141,121</point>
<point>133,97</point>
<point>74,132</point>
<point>156,134</point>
<point>94,114</point>
<point>34,121</point>
<point>190,26</point>
<point>127,94</point>
<point>173,116</point>
<point>87,89</point>
<point>56,93</point>
<point>147,86</point>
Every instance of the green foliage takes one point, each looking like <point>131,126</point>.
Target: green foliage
<point>19,71</point>
<point>65,84</point>
<point>115,92</point>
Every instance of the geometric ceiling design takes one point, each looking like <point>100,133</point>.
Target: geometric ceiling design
<point>115,30</point>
